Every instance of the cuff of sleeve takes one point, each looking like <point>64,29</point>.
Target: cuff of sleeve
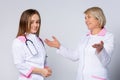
<point>58,50</point>
<point>28,74</point>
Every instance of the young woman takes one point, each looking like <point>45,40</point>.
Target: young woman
<point>28,49</point>
<point>95,48</point>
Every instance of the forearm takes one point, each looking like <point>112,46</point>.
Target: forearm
<point>37,71</point>
<point>67,53</point>
<point>104,57</point>
<point>45,72</point>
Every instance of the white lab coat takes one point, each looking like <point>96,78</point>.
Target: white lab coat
<point>25,61</point>
<point>92,66</point>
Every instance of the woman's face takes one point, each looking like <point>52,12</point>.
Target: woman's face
<point>34,23</point>
<point>91,22</point>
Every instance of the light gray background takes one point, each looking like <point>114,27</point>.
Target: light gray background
<point>63,19</point>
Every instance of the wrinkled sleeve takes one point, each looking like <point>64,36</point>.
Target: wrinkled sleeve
<point>106,53</point>
<point>72,55</point>
<point>19,59</point>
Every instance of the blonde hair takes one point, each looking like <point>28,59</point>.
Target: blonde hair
<point>98,14</point>
<point>24,24</point>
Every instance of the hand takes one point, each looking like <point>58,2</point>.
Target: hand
<point>55,43</point>
<point>98,46</point>
<point>46,72</point>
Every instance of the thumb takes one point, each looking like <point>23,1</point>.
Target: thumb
<point>102,42</point>
<point>54,37</point>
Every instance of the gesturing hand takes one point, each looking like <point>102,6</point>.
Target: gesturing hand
<point>98,46</point>
<point>55,43</point>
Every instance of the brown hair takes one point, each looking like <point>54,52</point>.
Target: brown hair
<point>24,24</point>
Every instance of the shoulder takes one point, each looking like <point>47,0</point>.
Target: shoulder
<point>109,35</point>
<point>19,40</point>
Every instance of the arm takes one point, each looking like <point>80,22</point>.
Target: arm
<point>24,68</point>
<point>72,55</point>
<point>44,72</point>
<point>104,49</point>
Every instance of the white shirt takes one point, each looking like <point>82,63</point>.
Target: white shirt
<point>92,66</point>
<point>28,57</point>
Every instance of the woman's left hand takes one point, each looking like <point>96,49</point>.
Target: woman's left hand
<point>98,46</point>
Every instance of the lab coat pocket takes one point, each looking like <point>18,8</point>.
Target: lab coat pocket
<point>95,77</point>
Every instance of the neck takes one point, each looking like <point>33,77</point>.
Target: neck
<point>95,31</point>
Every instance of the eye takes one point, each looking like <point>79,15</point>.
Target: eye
<point>89,16</point>
<point>38,22</point>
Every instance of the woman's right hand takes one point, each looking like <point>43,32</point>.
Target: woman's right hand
<point>46,72</point>
<point>55,43</point>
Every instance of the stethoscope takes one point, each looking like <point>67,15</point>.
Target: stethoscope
<point>29,43</point>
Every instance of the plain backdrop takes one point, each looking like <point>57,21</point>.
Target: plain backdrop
<point>63,19</point>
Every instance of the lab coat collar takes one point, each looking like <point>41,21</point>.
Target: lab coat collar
<point>30,35</point>
<point>101,33</point>
<point>22,38</point>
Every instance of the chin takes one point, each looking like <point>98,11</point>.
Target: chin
<point>33,32</point>
<point>89,28</point>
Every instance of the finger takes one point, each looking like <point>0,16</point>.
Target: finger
<point>54,37</point>
<point>49,69</point>
<point>46,40</point>
<point>48,74</point>
<point>96,45</point>
<point>102,42</point>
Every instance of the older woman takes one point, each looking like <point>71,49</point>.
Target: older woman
<point>94,50</point>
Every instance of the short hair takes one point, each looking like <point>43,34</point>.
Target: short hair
<point>98,14</point>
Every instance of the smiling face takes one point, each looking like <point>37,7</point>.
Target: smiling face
<point>30,22</point>
<point>34,24</point>
<point>91,22</point>
<point>95,19</point>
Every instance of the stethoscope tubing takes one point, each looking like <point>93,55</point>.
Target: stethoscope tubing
<point>26,42</point>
